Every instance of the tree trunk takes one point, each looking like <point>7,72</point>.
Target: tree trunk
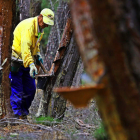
<point>52,46</point>
<point>112,35</point>
<point>24,9</point>
<point>53,41</point>
<point>57,104</point>
<point>29,8</point>
<point>35,7</point>
<point>7,10</point>
<point>52,104</point>
<point>66,37</point>
<point>77,78</point>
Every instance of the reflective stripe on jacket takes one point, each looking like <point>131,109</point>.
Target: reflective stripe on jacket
<point>25,39</point>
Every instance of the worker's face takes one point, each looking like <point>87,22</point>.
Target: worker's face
<point>41,23</point>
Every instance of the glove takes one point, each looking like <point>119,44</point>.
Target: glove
<point>33,70</point>
<point>39,59</point>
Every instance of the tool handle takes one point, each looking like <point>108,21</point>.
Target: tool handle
<point>44,70</point>
<point>41,65</point>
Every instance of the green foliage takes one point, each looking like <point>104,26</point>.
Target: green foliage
<point>1,137</point>
<point>44,40</point>
<point>45,4</point>
<point>86,120</point>
<point>47,120</point>
<point>83,82</point>
<point>100,133</point>
<point>13,136</point>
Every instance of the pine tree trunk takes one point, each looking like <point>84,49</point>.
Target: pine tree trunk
<point>52,104</point>
<point>7,10</point>
<point>53,40</point>
<point>113,37</point>
<point>29,8</point>
<point>57,104</point>
<point>52,46</point>
<point>24,9</point>
<point>35,7</point>
<point>77,78</point>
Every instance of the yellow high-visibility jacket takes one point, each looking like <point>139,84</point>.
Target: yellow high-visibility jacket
<point>26,42</point>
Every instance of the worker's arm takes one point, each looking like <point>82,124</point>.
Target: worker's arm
<point>26,43</point>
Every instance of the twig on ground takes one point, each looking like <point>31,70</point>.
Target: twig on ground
<point>81,124</point>
<point>19,121</point>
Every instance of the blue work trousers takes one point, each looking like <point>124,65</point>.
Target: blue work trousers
<point>22,91</point>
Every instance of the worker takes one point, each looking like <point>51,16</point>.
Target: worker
<point>27,37</point>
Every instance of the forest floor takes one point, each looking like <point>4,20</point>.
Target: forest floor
<point>77,124</point>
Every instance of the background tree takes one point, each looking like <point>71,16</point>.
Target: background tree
<point>29,8</point>
<point>52,104</point>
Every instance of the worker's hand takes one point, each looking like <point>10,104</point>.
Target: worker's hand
<point>39,59</point>
<point>33,70</point>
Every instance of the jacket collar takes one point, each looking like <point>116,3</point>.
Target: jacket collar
<point>37,30</point>
<point>36,26</point>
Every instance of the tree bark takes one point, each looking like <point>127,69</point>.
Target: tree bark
<point>66,37</point>
<point>29,8</point>
<point>7,10</point>
<point>115,31</point>
<point>24,9</point>
<point>35,7</point>
<point>52,104</point>
<point>77,78</point>
<point>53,41</point>
<point>57,104</point>
<point>52,46</point>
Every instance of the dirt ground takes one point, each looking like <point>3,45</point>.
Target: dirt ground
<point>77,124</point>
